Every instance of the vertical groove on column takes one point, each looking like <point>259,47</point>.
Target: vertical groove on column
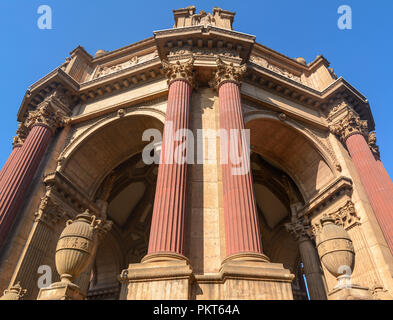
<point>376,187</point>
<point>239,202</point>
<point>19,175</point>
<point>9,161</point>
<point>167,229</point>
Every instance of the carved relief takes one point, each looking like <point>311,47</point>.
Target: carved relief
<point>21,135</point>
<point>105,70</point>
<point>282,71</point>
<point>227,73</point>
<point>300,229</point>
<point>349,125</point>
<point>345,216</point>
<point>188,50</point>
<point>179,71</point>
<point>372,143</point>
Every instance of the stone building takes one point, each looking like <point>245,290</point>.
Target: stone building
<point>314,211</point>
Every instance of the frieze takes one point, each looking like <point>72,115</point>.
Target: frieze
<point>282,71</point>
<point>188,50</point>
<point>133,61</point>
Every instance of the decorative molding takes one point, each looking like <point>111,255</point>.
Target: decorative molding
<point>227,73</point>
<point>179,71</point>
<point>300,229</point>
<point>349,124</point>
<point>372,143</point>
<point>133,61</point>
<point>282,71</point>
<point>345,216</point>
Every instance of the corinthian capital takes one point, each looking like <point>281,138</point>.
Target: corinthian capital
<point>21,134</point>
<point>227,73</point>
<point>300,229</point>
<point>179,71</point>
<point>47,114</point>
<point>349,125</point>
<point>372,143</point>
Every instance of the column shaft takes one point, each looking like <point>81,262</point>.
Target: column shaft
<point>11,157</point>
<point>241,221</point>
<point>386,176</point>
<point>20,173</point>
<point>312,269</point>
<point>375,184</point>
<point>167,227</point>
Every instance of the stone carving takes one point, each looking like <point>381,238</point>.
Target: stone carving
<point>300,229</point>
<point>21,135</point>
<point>282,71</point>
<point>52,112</point>
<point>14,293</point>
<point>76,246</point>
<point>188,50</point>
<point>186,17</point>
<point>49,211</point>
<point>349,125</point>
<point>336,250</point>
<point>372,143</point>
<point>227,73</point>
<point>345,216</point>
<point>179,71</point>
<point>105,70</point>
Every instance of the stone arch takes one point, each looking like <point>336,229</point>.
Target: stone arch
<point>292,149</point>
<point>91,156</point>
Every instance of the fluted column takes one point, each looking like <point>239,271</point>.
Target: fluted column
<point>242,232</point>
<point>167,227</point>
<point>372,142</point>
<point>16,145</point>
<point>353,133</point>
<point>20,172</point>
<point>309,255</point>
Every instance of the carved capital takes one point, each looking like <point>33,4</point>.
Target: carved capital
<point>300,229</point>
<point>50,212</point>
<point>227,73</point>
<point>372,143</point>
<point>179,71</point>
<point>21,134</point>
<point>349,125</point>
<point>345,216</point>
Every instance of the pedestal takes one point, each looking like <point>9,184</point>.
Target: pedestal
<point>61,291</point>
<point>160,276</point>
<point>252,276</point>
<point>355,292</point>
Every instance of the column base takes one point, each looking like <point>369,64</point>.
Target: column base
<point>159,276</point>
<point>61,291</point>
<point>354,292</point>
<point>250,276</point>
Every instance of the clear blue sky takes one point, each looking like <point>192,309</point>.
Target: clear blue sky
<point>363,55</point>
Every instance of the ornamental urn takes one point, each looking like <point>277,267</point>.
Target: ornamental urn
<point>14,293</point>
<point>76,246</point>
<point>335,248</point>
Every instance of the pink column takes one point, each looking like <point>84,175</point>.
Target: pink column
<point>16,181</point>
<point>375,184</point>
<point>242,231</point>
<point>11,157</point>
<point>385,174</point>
<point>167,227</point>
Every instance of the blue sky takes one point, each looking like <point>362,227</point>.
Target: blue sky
<point>295,28</point>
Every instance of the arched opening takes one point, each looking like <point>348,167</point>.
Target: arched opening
<point>288,170</point>
<point>131,189</point>
<point>104,162</point>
